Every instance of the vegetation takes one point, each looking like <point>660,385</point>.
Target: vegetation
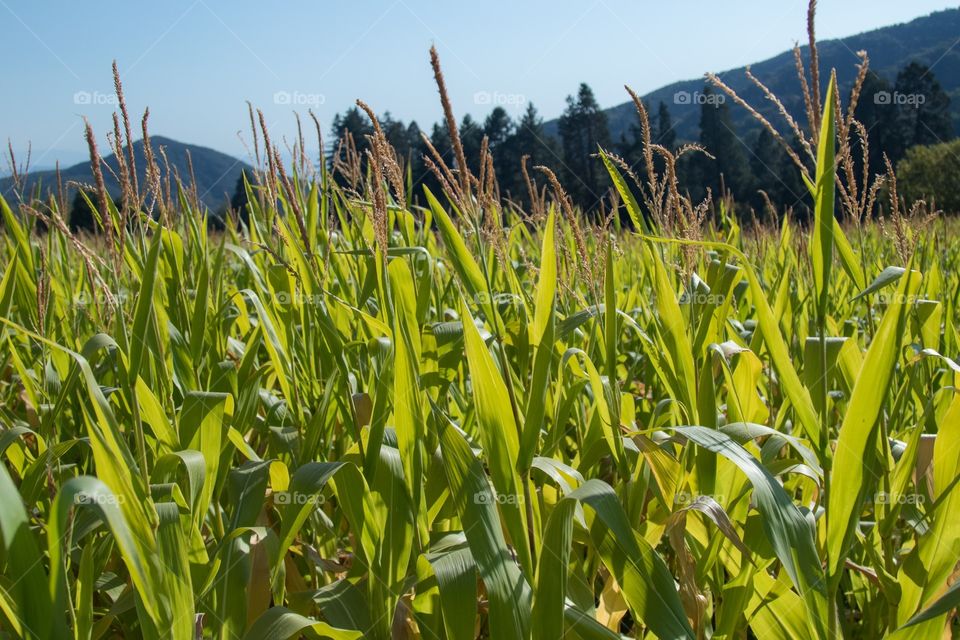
<point>931,173</point>
<point>212,173</point>
<point>350,416</point>
<point>927,40</point>
<point>746,161</point>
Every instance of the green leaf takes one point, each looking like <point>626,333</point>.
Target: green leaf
<point>499,434</point>
<point>508,592</point>
<point>856,442</point>
<point>888,276</point>
<point>279,623</point>
<point>789,532</point>
<point>23,560</point>
<point>646,582</point>
<point>821,245</point>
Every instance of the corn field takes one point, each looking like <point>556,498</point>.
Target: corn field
<point>359,412</point>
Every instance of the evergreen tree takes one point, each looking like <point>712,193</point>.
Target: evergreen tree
<point>357,124</point>
<point>471,137</point>
<point>774,173</point>
<point>718,138</point>
<point>631,145</point>
<point>440,140</point>
<point>81,215</point>
<point>765,167</point>
<point>923,108</point>
<point>497,127</point>
<point>583,128</point>
<point>238,201</point>
<point>527,138</point>
<point>414,158</point>
<point>530,138</point>
<point>397,135</point>
<point>665,136</point>
<point>879,117</point>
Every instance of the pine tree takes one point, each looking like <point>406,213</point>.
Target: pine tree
<point>630,147</point>
<point>526,138</point>
<point>81,215</point>
<point>774,173</point>
<point>357,124</point>
<point>583,128</point>
<point>879,117</point>
<point>497,127</point>
<point>440,140</point>
<point>397,135</point>
<point>923,108</point>
<point>238,201</point>
<point>471,137</point>
<point>418,169</point>
<point>665,136</point>
<point>719,139</point>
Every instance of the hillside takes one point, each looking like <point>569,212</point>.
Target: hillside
<point>216,173</point>
<point>930,40</point>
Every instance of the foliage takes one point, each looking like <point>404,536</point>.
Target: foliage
<point>351,416</point>
<point>583,128</point>
<point>932,173</point>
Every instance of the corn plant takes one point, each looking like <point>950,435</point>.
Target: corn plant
<point>358,412</point>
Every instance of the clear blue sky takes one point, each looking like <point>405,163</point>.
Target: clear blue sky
<point>195,62</point>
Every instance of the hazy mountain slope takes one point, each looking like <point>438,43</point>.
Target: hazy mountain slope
<point>931,40</point>
<point>216,173</point>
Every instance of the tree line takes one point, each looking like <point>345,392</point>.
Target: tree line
<point>913,110</point>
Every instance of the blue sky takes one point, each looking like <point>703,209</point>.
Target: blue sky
<point>195,62</point>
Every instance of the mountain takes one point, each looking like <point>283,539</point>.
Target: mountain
<point>216,173</point>
<point>930,40</point>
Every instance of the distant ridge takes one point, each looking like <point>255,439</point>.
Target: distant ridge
<point>216,173</point>
<point>933,40</point>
